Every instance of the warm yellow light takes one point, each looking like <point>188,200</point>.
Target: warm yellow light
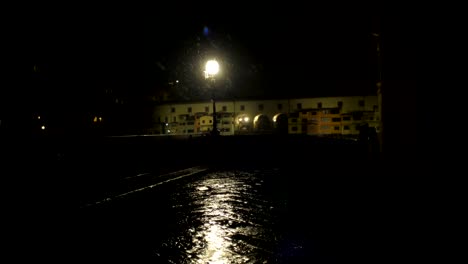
<point>246,119</point>
<point>95,119</point>
<point>211,68</point>
<point>100,118</point>
<point>256,119</point>
<point>43,127</point>
<point>275,118</point>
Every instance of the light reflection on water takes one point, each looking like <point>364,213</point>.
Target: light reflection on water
<point>224,217</point>
<point>238,217</point>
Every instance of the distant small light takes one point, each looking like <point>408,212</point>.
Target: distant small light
<point>177,81</point>
<point>100,118</point>
<point>43,127</point>
<point>169,131</point>
<point>246,119</point>
<point>240,119</point>
<point>167,124</point>
<point>38,117</point>
<point>95,119</point>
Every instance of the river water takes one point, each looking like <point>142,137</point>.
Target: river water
<point>253,215</point>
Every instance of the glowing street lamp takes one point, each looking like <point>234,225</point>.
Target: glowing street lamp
<point>211,69</point>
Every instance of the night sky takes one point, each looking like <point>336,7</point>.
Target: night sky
<point>61,61</point>
<point>296,46</point>
<point>274,50</point>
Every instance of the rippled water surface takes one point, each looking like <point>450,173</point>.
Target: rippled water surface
<point>228,218</point>
<point>232,216</point>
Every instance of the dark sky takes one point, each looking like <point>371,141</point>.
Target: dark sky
<point>276,48</point>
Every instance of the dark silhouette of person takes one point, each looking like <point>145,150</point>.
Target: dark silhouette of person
<point>373,141</point>
<point>364,138</point>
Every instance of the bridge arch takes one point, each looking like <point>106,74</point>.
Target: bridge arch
<point>262,122</point>
<point>280,123</point>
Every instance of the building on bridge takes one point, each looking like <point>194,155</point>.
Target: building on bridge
<point>311,116</point>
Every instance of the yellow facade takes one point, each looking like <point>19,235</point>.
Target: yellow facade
<point>311,116</point>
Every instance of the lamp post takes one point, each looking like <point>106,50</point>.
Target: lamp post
<point>379,90</point>
<point>211,69</point>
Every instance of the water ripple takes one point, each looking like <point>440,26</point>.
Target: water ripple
<point>228,220</point>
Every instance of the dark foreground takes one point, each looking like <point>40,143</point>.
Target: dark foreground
<point>250,215</point>
<point>262,200</point>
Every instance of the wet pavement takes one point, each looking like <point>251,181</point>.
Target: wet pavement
<point>261,202</point>
<point>252,215</point>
